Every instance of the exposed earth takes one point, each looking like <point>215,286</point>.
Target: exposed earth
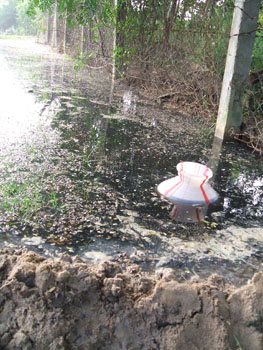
<point>65,304</point>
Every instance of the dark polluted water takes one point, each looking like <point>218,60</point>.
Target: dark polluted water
<point>80,177</point>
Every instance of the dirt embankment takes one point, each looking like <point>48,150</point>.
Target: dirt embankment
<point>59,305</point>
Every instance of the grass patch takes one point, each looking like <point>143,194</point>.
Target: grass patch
<point>239,347</point>
<point>26,199</point>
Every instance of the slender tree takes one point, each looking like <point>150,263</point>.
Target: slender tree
<point>55,26</point>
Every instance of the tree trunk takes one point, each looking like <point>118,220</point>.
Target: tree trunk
<point>237,68</point>
<point>48,28</point>
<point>169,20</point>
<point>65,33</point>
<point>55,27</point>
<point>82,41</point>
<point>120,34</point>
<point>113,72</point>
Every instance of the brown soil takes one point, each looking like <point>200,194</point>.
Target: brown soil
<point>65,304</point>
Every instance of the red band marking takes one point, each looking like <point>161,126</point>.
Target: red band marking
<point>197,215</point>
<point>202,184</point>
<point>175,187</point>
<point>174,212</point>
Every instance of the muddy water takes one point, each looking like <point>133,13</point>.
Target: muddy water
<point>80,176</point>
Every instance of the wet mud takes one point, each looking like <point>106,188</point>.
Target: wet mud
<point>79,175</point>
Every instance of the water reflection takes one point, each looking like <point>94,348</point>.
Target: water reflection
<point>215,155</point>
<point>239,182</point>
<point>18,110</point>
<point>129,102</point>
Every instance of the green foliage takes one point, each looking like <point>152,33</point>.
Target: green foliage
<point>78,11</point>
<point>257,57</point>
<point>237,343</point>
<point>13,18</point>
<point>43,6</point>
<point>21,198</point>
<point>25,199</point>
<point>26,25</point>
<point>81,61</point>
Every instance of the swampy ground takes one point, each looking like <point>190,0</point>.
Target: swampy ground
<point>80,176</point>
<point>78,184</point>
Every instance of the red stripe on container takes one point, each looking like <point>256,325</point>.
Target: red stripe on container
<point>202,184</point>
<point>174,212</point>
<point>197,172</point>
<point>174,187</point>
<point>197,215</point>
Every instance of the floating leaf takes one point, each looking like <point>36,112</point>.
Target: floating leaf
<point>52,289</point>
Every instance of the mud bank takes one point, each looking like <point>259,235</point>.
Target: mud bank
<point>65,304</point>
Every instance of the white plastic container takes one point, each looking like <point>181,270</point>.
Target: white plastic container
<point>188,213</point>
<point>190,187</point>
